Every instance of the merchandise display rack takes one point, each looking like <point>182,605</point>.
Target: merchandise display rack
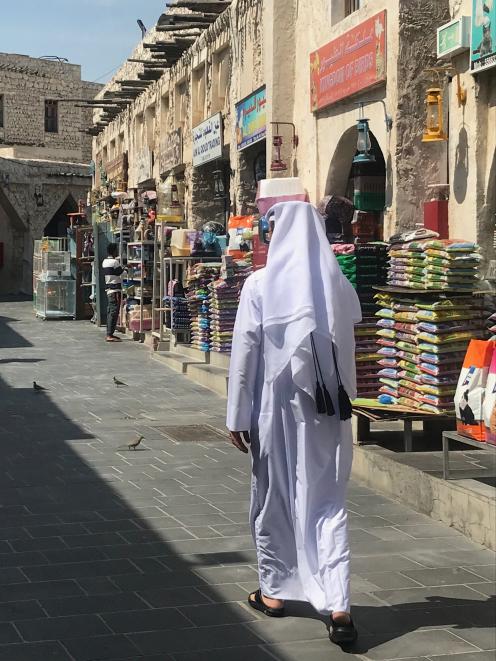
<point>145,264</point>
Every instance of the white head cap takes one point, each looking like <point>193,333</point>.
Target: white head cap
<point>272,191</point>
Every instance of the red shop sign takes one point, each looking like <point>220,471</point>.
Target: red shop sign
<point>349,64</point>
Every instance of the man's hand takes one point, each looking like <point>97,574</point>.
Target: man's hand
<point>237,440</point>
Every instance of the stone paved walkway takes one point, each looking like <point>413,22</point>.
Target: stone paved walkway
<point>107,553</point>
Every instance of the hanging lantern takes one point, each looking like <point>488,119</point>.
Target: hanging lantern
<point>434,131</point>
<point>219,185</point>
<point>364,144</point>
<point>277,164</point>
<point>174,201</point>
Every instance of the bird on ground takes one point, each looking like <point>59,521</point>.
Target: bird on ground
<point>134,444</point>
<point>37,387</point>
<point>119,383</point>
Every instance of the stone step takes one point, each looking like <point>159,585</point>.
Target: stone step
<point>209,376</point>
<point>190,352</point>
<point>175,361</point>
<point>220,359</point>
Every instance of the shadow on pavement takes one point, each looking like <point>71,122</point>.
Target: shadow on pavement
<point>98,560</point>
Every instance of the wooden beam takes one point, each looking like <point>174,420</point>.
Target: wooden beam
<point>182,26</point>
<point>217,6</point>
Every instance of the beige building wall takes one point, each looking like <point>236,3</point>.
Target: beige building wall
<point>472,150</point>
<point>224,65</point>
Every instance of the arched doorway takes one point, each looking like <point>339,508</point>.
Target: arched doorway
<point>57,226</point>
<point>363,183</point>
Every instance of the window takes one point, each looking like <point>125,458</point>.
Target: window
<point>1,111</point>
<point>198,82</point>
<point>150,126</point>
<point>181,105</point>
<point>351,6</point>
<point>164,113</point>
<point>51,116</point>
<point>138,135</point>
<point>220,78</point>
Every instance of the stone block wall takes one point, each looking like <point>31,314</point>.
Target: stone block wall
<point>25,84</point>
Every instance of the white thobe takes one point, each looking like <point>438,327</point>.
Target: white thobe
<point>301,462</point>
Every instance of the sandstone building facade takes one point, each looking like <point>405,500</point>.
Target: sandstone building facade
<point>266,58</point>
<point>44,156</point>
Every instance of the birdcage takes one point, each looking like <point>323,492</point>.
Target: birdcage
<point>56,263</point>
<point>55,298</point>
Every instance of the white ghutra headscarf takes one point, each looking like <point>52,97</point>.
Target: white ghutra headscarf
<point>305,292</point>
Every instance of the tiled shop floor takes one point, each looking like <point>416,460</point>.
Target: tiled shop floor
<point>112,554</point>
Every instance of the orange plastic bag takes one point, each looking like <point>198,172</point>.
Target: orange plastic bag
<point>471,388</point>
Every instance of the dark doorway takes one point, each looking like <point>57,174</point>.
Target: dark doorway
<point>58,225</point>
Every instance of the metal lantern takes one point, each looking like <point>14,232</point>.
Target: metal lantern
<point>174,201</point>
<point>277,164</point>
<point>434,130</point>
<point>219,185</point>
<point>364,144</point>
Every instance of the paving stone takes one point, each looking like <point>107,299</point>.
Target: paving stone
<point>485,571</point>
<point>443,576</point>
<point>43,544</point>
<point>441,597</point>
<point>422,643</point>
<point>389,580</point>
<point>80,569</point>
<point>194,640</point>
<point>215,614</point>
<point>96,648</point>
<point>43,590</point>
<point>34,652</point>
<point>482,637</point>
<point>112,603</point>
<point>183,596</point>
<point>20,610</point>
<point>320,650</point>
<point>58,628</point>
<point>233,574</point>
<point>146,620</point>
<point>8,634</point>
<point>11,575</point>
<point>250,653</point>
<point>470,656</point>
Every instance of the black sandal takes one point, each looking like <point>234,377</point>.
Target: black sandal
<point>256,601</point>
<point>343,634</point>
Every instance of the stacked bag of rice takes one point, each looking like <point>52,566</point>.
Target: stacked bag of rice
<point>407,263</point>
<point>445,264</point>
<point>422,342</point>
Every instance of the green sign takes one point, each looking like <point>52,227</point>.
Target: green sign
<point>453,38</point>
<point>448,38</point>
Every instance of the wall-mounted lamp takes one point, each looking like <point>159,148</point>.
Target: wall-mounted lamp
<point>174,199</point>
<point>277,164</point>
<point>38,196</point>
<point>219,184</point>
<point>434,126</point>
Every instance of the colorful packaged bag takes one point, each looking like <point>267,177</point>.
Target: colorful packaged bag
<point>471,388</point>
<point>489,406</point>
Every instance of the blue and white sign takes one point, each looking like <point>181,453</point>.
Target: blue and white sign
<point>207,140</point>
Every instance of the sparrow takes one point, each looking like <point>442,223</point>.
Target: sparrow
<point>119,383</point>
<point>134,444</point>
<point>37,388</point>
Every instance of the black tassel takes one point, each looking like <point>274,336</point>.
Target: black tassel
<point>345,407</point>
<point>328,402</point>
<point>319,399</point>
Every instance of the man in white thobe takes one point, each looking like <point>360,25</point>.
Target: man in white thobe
<point>301,459</point>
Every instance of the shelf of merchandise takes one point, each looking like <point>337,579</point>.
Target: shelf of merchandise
<point>161,251</point>
<point>146,252</point>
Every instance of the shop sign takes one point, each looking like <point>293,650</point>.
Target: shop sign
<point>483,47</point>
<point>207,140</point>
<point>349,64</point>
<point>171,151</point>
<point>143,165</point>
<point>453,38</point>
<point>115,169</point>
<point>251,119</point>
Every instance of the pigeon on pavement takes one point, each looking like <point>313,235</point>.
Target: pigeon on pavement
<point>119,383</point>
<point>134,444</point>
<point>37,388</point>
